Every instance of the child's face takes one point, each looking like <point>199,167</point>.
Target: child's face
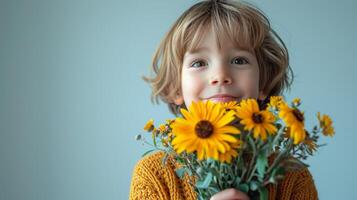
<point>220,75</point>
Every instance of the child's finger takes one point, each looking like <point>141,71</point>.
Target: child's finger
<point>230,194</point>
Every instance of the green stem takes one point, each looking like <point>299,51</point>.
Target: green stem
<point>281,132</point>
<point>252,143</point>
<point>278,158</point>
<point>219,178</point>
<point>252,173</point>
<point>189,165</point>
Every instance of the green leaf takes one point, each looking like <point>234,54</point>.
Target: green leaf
<point>201,197</point>
<point>254,185</point>
<point>211,162</point>
<point>215,172</point>
<point>189,172</point>
<point>237,180</point>
<point>205,183</point>
<point>180,160</point>
<point>276,173</point>
<point>213,190</point>
<point>263,193</point>
<point>180,172</point>
<point>244,188</point>
<point>199,171</point>
<point>148,152</point>
<point>262,163</point>
<point>272,180</point>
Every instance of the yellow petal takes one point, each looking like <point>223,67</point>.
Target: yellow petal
<point>187,115</point>
<point>228,138</point>
<point>228,129</point>
<point>226,119</point>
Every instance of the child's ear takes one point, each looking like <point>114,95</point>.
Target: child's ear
<point>178,100</point>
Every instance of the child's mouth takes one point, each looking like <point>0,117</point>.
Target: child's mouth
<point>223,98</point>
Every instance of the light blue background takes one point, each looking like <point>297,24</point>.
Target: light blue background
<point>72,100</point>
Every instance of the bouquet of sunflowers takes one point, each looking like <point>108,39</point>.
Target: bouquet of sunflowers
<point>244,145</point>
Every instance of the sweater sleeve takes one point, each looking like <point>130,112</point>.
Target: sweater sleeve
<point>297,185</point>
<point>304,187</point>
<point>144,183</point>
<point>154,180</point>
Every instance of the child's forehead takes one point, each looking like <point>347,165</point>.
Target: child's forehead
<point>208,49</point>
<point>244,28</point>
<point>208,36</point>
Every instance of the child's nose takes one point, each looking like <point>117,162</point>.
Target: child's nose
<point>219,81</point>
<point>221,78</point>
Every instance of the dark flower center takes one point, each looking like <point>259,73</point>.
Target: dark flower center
<point>257,118</point>
<point>299,116</point>
<point>204,129</point>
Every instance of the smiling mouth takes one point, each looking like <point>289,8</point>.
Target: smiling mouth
<point>223,98</point>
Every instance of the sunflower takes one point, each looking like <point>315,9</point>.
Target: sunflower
<point>169,121</point>
<point>296,102</point>
<point>162,128</point>
<point>286,132</point>
<point>326,124</point>
<point>232,153</point>
<point>256,120</point>
<point>232,105</point>
<point>149,126</point>
<point>205,129</point>
<point>311,145</point>
<point>275,101</point>
<point>294,119</point>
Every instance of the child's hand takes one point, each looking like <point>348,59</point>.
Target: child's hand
<point>230,194</point>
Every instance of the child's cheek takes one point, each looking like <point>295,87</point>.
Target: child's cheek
<point>249,83</point>
<point>192,86</point>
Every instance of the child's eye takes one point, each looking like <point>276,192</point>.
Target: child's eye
<point>198,64</point>
<point>240,61</point>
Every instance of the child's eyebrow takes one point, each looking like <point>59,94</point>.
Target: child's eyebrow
<point>203,49</point>
<point>198,50</point>
<point>244,51</point>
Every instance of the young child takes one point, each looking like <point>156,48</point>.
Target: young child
<point>220,51</point>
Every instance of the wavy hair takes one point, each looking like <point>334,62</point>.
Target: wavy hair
<point>247,27</point>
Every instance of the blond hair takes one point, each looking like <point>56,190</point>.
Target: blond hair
<point>243,23</point>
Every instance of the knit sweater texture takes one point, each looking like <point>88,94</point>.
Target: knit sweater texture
<point>152,180</point>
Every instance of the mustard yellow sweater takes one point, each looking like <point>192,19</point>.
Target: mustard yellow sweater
<point>153,180</point>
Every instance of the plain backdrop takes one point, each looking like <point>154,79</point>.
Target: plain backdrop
<point>72,98</point>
